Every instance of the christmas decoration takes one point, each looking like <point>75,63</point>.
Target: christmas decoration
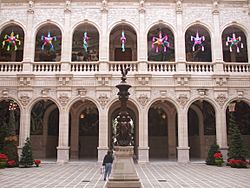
<point>85,41</point>
<point>26,156</point>
<point>11,40</point>
<point>198,41</point>
<point>234,41</point>
<point>160,42</point>
<point>48,40</point>
<point>214,148</point>
<point>123,41</point>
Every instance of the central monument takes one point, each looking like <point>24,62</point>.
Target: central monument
<point>123,173</point>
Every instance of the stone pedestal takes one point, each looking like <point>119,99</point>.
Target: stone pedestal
<point>123,172</point>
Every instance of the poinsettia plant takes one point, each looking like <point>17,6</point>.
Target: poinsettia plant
<point>3,157</point>
<point>37,162</point>
<point>218,158</point>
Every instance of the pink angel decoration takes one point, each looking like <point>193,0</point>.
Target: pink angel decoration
<point>198,41</point>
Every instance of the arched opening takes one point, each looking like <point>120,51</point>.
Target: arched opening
<point>234,44</point>
<point>162,131</point>
<point>12,43</point>
<point>48,43</point>
<point>133,112</point>
<point>198,44</point>
<point>242,119</point>
<point>9,120</point>
<point>84,130</point>
<point>161,44</point>
<point>123,34</point>
<point>201,129</point>
<point>85,44</point>
<point>44,129</point>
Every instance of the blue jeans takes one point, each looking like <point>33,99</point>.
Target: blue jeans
<point>108,168</point>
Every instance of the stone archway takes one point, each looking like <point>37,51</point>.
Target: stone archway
<point>201,129</point>
<point>84,130</point>
<point>162,131</point>
<point>133,112</point>
<point>44,129</point>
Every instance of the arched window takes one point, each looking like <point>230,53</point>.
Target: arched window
<point>12,42</point>
<point>160,44</point>
<point>123,44</point>
<point>198,44</point>
<point>85,45</point>
<point>234,44</point>
<point>48,43</point>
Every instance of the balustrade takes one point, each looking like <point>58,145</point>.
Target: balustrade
<point>11,67</point>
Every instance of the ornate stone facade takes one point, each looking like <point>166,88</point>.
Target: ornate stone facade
<point>179,82</point>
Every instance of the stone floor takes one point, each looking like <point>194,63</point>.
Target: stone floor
<point>152,175</point>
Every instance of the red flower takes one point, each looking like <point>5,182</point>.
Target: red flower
<point>218,155</point>
<point>37,162</point>
<point>3,156</point>
<point>11,163</point>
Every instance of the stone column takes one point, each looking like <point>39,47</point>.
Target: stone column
<point>103,134</point>
<point>143,149</point>
<point>221,130</point>
<point>142,44</point>
<point>104,43</point>
<point>217,44</point>
<point>171,136</point>
<point>24,128</point>
<point>63,141</point>
<point>66,40</point>
<point>183,149</point>
<point>29,44</point>
<point>180,52</point>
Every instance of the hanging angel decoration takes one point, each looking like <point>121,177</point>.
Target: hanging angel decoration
<point>48,40</point>
<point>85,41</point>
<point>12,40</point>
<point>160,42</point>
<point>198,41</point>
<point>234,42</point>
<point>123,41</point>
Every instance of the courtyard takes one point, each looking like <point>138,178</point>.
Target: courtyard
<point>155,174</point>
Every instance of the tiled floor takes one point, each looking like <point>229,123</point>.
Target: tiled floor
<point>152,175</point>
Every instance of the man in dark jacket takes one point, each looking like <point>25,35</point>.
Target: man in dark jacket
<point>107,162</point>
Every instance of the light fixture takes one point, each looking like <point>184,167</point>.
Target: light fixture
<point>231,107</point>
<point>12,105</point>
<point>82,116</point>
<point>163,116</point>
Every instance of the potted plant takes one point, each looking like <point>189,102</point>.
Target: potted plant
<point>3,160</point>
<point>218,158</point>
<point>37,162</point>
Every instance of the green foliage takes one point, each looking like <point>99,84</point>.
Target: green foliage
<point>10,149</point>
<point>26,156</point>
<point>214,148</point>
<point>236,149</point>
<point>3,134</point>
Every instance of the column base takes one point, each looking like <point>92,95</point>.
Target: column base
<point>102,151</point>
<point>62,154</point>
<point>183,154</point>
<point>224,152</point>
<point>143,156</point>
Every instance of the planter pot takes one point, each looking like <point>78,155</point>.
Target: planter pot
<point>218,162</point>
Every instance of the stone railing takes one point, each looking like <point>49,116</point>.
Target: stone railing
<point>84,67</point>
<point>117,66</point>
<point>161,67</point>
<point>236,67</point>
<point>11,67</point>
<point>46,67</point>
<point>200,67</point>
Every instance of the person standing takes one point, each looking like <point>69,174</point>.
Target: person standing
<point>107,162</point>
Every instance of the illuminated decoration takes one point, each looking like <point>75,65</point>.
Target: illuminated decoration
<point>11,39</point>
<point>12,105</point>
<point>198,41</point>
<point>48,40</point>
<point>123,41</point>
<point>234,42</point>
<point>160,42</point>
<point>85,41</point>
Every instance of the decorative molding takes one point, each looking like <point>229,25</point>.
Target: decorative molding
<point>5,93</point>
<point>163,94</point>
<point>215,7</point>
<point>178,8</point>
<point>25,80</point>
<point>182,80</point>
<point>183,99</point>
<point>141,8</point>
<point>143,79</point>
<point>104,6</point>
<point>103,79</point>
<point>240,94</point>
<point>221,99</point>
<point>143,99</point>
<point>31,7</point>
<point>220,80</point>
<point>202,93</point>
<point>25,99</point>
<point>67,8</point>
<point>103,99</point>
<point>64,80</point>
<point>63,98</point>
<point>82,92</point>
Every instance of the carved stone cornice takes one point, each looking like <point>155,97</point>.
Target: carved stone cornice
<point>143,79</point>
<point>64,79</point>
<point>143,99</point>
<point>104,6</point>
<point>221,99</point>
<point>220,80</point>
<point>67,8</point>
<point>178,8</point>
<point>63,99</point>
<point>183,99</point>
<point>25,79</point>
<point>5,93</point>
<point>82,92</point>
<point>141,8</point>
<point>182,79</point>
<point>215,7</point>
<point>25,99</point>
<point>202,93</point>
<point>103,79</point>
